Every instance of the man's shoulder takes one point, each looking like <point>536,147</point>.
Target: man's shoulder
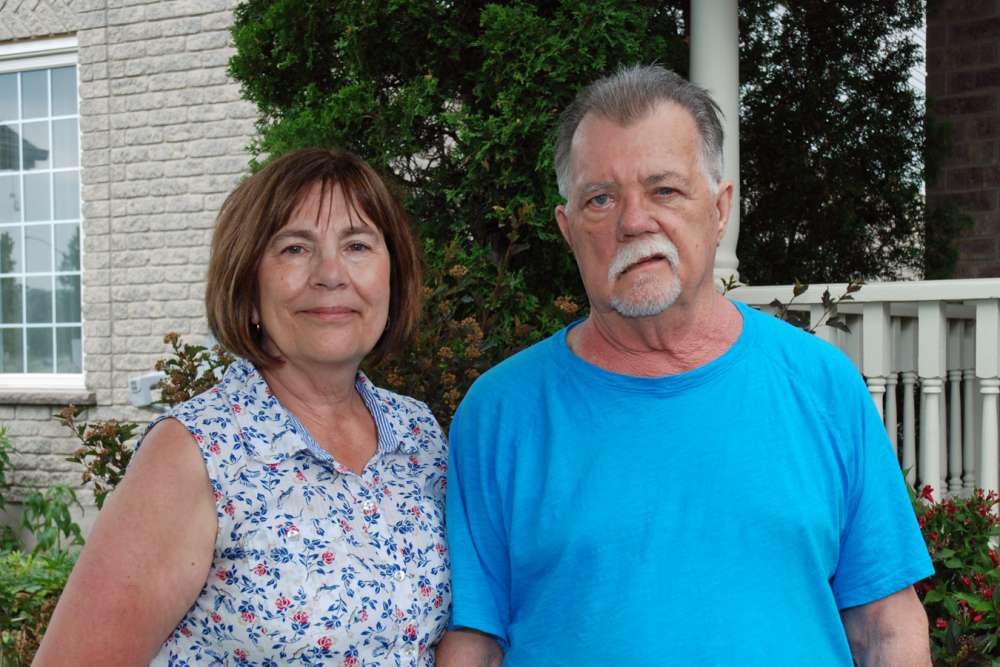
<point>799,352</point>
<point>514,377</point>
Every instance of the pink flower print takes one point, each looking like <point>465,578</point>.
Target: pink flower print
<point>440,548</point>
<point>324,643</point>
<point>411,632</point>
<point>236,409</point>
<point>218,496</point>
<point>248,616</point>
<point>414,460</point>
<point>186,631</point>
<point>301,617</point>
<point>260,569</point>
<point>299,476</point>
<point>415,430</point>
<point>240,654</point>
<point>222,574</point>
<point>363,615</point>
<point>216,618</point>
<point>400,614</point>
<point>272,466</point>
<point>438,601</point>
<point>282,603</point>
<point>344,526</point>
<point>350,661</point>
<point>425,591</point>
<point>328,557</point>
<point>229,509</point>
<point>199,438</point>
<point>214,448</point>
<point>415,511</point>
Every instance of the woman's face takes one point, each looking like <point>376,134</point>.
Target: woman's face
<point>323,284</point>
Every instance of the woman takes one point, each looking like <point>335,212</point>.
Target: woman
<point>294,513</point>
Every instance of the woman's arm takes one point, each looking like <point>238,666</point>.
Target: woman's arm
<point>145,561</point>
<point>468,648</point>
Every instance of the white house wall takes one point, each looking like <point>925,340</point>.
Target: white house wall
<point>163,140</point>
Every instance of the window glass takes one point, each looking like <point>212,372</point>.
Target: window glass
<point>40,261</point>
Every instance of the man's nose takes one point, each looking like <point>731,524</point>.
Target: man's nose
<point>634,219</point>
<point>328,270</point>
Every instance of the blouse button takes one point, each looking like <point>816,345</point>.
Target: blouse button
<point>293,532</point>
<point>369,506</point>
<point>399,575</point>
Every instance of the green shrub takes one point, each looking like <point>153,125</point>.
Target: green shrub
<point>963,597</point>
<point>30,585</point>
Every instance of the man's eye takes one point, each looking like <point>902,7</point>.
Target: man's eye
<point>664,191</point>
<point>600,200</point>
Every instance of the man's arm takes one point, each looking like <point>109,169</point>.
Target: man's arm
<point>468,648</point>
<point>891,632</point>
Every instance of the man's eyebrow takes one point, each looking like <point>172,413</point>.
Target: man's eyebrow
<point>595,187</point>
<point>668,175</point>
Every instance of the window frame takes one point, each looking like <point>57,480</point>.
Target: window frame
<point>24,57</point>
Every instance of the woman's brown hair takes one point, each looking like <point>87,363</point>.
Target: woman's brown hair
<point>263,204</point>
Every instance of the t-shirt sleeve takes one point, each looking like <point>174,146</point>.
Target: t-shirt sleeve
<point>881,548</point>
<point>480,560</point>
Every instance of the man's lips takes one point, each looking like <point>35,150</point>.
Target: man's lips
<point>646,261</point>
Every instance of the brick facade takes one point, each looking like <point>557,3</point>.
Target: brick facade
<point>963,90</point>
<point>163,141</point>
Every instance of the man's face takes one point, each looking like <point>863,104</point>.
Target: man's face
<point>642,217</point>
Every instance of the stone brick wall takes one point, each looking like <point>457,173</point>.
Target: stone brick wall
<point>163,141</point>
<point>963,89</point>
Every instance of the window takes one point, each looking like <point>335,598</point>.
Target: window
<point>41,341</point>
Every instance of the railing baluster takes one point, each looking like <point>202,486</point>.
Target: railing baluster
<point>909,426</point>
<point>988,370</point>
<point>954,420</point>
<point>969,426</point>
<point>875,351</point>
<point>930,366</point>
<point>891,420</point>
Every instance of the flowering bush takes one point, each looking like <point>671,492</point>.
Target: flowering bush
<point>963,597</point>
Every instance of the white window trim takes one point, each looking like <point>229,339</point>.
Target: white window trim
<point>22,57</point>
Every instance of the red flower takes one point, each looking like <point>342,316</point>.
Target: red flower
<point>222,574</point>
<point>350,661</point>
<point>438,601</point>
<point>214,448</point>
<point>927,493</point>
<point>411,631</point>
<point>994,558</point>
<point>236,409</point>
<point>415,511</point>
<point>941,624</point>
<point>260,569</point>
<point>185,631</point>
<point>240,654</point>
<point>977,618</point>
<point>324,643</point>
<point>283,603</point>
<point>328,557</point>
<point>229,509</point>
<point>216,618</point>
<point>248,616</point>
<point>425,591</point>
<point>301,617</point>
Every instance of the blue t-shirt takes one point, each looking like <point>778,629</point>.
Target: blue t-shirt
<point>721,516</point>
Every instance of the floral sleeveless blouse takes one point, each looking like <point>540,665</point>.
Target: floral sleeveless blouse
<point>314,564</point>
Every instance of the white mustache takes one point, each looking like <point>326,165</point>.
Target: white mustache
<point>638,251</point>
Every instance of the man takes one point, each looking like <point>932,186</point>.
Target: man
<point>678,479</point>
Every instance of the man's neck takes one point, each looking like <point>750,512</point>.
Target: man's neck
<point>682,338</point>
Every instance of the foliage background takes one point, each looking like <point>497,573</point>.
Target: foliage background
<point>456,104</point>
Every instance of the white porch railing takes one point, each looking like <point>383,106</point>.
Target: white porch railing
<point>929,351</point>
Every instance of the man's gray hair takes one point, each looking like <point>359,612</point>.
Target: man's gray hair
<point>629,95</point>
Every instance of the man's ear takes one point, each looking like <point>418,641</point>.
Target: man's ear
<point>723,202</point>
<point>563,221</point>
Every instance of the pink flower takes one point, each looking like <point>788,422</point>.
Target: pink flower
<point>216,618</point>
<point>415,511</point>
<point>328,557</point>
<point>240,654</point>
<point>260,569</point>
<point>222,574</point>
<point>185,631</point>
<point>283,603</point>
<point>301,617</point>
<point>350,661</point>
<point>299,476</point>
<point>425,591</point>
<point>438,601</point>
<point>324,643</point>
<point>411,631</point>
<point>214,448</point>
<point>229,509</point>
<point>248,616</point>
<point>237,409</point>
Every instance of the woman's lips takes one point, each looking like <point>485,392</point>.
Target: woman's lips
<point>330,312</point>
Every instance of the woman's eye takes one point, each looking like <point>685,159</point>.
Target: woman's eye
<point>357,246</point>
<point>294,250</point>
